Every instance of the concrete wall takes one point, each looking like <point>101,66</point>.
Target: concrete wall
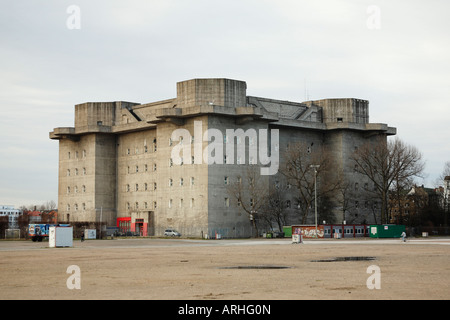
<point>343,110</point>
<point>136,174</point>
<point>181,206</point>
<point>225,216</point>
<point>202,92</point>
<point>92,114</point>
<point>105,178</point>
<point>76,182</point>
<point>361,203</point>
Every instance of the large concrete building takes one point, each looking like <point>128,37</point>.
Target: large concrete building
<point>116,164</point>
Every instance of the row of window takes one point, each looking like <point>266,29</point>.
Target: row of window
<point>171,204</point>
<point>366,205</point>
<point>145,188</point>
<point>252,141</point>
<point>239,160</point>
<point>358,230</point>
<point>226,181</point>
<point>75,189</point>
<point>75,154</point>
<point>76,172</point>
<point>366,186</point>
<point>181,203</point>
<point>226,203</point>
<point>75,207</point>
<point>9,213</point>
<point>153,205</point>
<point>146,205</point>
<point>181,182</point>
<point>145,148</point>
<point>144,169</point>
<point>171,184</point>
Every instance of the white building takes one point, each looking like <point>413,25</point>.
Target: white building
<point>12,214</point>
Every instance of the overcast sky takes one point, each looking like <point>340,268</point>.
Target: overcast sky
<point>396,54</point>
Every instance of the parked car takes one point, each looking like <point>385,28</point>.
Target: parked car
<point>278,234</point>
<point>172,233</point>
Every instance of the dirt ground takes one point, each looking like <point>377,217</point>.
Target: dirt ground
<point>177,269</point>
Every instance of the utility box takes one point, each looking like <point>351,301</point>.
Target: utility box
<point>90,234</point>
<point>386,231</point>
<point>60,237</point>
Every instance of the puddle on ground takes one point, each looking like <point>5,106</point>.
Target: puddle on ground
<point>338,259</point>
<point>256,267</point>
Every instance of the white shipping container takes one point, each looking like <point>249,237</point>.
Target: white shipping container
<point>60,237</point>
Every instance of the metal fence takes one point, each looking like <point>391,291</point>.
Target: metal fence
<point>203,233</point>
<point>430,231</point>
<point>12,234</point>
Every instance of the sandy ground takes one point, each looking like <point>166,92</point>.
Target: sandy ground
<point>175,269</point>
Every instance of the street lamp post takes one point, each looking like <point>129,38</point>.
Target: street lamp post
<point>315,167</point>
<point>101,218</point>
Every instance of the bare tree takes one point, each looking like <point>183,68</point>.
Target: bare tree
<point>388,164</point>
<point>345,193</point>
<point>446,171</point>
<point>275,208</point>
<point>444,178</point>
<point>251,193</point>
<point>298,171</point>
<point>50,205</point>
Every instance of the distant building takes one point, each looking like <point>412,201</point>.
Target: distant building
<point>116,166</point>
<point>47,216</point>
<point>12,214</point>
<point>408,206</point>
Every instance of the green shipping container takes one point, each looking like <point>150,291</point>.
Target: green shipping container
<point>287,231</point>
<point>386,231</point>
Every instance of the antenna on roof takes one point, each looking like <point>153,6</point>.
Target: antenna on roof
<point>306,92</point>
